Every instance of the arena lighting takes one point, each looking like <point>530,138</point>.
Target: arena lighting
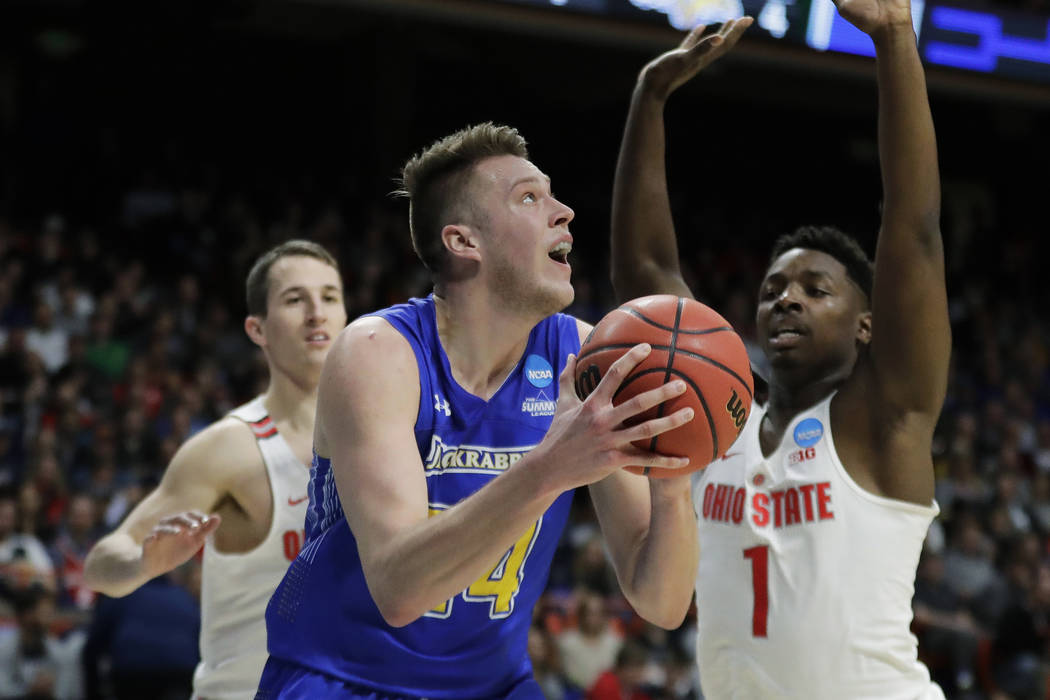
<point>983,40</point>
<point>999,42</point>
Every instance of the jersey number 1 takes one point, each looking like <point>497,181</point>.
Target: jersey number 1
<point>759,557</point>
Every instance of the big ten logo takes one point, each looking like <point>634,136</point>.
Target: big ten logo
<point>587,381</point>
<point>799,456</point>
<point>293,542</point>
<point>735,408</point>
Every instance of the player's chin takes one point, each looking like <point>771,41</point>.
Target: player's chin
<point>784,358</point>
<point>561,297</point>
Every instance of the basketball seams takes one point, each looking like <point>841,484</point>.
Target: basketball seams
<point>635,376</point>
<point>667,348</point>
<point>656,324</point>
<point>667,373</point>
<point>706,358</point>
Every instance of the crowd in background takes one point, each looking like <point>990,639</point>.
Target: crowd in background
<point>145,169</point>
<point>112,355</point>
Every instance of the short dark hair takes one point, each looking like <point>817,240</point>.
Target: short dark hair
<point>435,179</point>
<point>837,244</point>
<point>257,286</point>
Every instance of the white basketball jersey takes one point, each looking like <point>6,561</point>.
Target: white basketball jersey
<point>805,580</point>
<point>235,588</point>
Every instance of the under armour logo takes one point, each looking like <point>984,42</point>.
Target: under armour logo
<point>440,405</point>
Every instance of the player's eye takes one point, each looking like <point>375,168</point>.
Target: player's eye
<point>528,198</point>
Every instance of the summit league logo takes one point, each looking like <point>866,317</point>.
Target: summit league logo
<point>540,374</point>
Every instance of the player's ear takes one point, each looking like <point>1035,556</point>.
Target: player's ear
<point>253,326</point>
<point>864,328</point>
<point>461,241</point>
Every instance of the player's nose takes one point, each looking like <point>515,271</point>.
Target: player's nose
<point>789,299</point>
<point>562,214</point>
<point>315,311</point>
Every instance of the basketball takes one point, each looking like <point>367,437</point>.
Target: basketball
<point>691,342</point>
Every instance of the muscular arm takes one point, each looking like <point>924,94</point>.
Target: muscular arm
<point>170,525</point>
<point>413,562</point>
<point>644,248</point>
<point>650,529</point>
<point>911,338</point>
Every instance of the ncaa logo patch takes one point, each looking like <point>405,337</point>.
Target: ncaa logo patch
<point>808,432</point>
<point>538,371</point>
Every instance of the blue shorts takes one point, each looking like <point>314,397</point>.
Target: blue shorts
<point>283,680</point>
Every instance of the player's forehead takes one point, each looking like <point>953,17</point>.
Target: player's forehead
<point>796,263</point>
<point>503,173</point>
<point>292,272</point>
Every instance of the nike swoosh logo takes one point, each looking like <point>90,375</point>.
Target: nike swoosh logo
<point>297,501</point>
<point>730,454</point>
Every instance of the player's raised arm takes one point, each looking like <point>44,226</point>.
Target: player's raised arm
<point>170,525</point>
<point>911,336</point>
<point>414,561</point>
<point>644,250</point>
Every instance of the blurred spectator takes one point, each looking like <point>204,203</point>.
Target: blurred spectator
<point>104,352</point>
<point>948,633</point>
<point>144,646</point>
<point>72,305</point>
<point>35,663</point>
<point>547,665</point>
<point>968,561</point>
<point>23,558</point>
<point>49,341</point>
<point>1021,639</point>
<point>625,680</point>
<point>74,540</point>
<point>1040,502</point>
<point>591,647</point>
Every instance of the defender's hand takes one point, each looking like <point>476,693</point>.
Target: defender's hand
<point>175,539</point>
<point>874,16</point>
<point>667,72</point>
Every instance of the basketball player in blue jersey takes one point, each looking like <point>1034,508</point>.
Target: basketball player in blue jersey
<point>238,488</point>
<point>448,442</point>
<point>805,590</point>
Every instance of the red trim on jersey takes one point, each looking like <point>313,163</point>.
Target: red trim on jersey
<point>264,428</point>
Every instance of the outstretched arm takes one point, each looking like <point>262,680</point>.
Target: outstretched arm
<point>644,250</point>
<point>911,335</point>
<point>170,525</point>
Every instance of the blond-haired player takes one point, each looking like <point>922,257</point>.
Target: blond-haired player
<point>238,488</point>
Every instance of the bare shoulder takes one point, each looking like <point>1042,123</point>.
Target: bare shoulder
<point>368,344</point>
<point>371,364</point>
<point>221,454</point>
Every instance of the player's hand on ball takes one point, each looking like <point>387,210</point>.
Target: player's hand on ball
<point>668,71</point>
<point>175,539</point>
<point>590,439</point>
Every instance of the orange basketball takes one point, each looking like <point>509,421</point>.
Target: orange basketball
<point>690,342</point>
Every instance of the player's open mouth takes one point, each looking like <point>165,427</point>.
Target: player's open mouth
<point>560,252</point>
<point>317,338</point>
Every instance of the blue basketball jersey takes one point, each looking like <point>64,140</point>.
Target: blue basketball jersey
<point>473,645</point>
